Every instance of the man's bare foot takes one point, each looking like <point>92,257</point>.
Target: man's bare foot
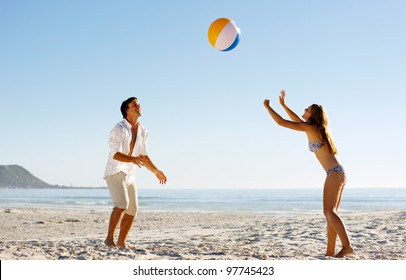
<point>345,252</point>
<point>126,247</point>
<point>110,243</point>
<point>328,254</point>
<point>121,245</point>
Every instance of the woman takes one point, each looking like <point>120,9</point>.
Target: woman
<point>315,125</point>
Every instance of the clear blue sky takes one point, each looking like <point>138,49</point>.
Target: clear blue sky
<point>66,66</point>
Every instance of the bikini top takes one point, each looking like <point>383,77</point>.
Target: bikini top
<point>314,146</point>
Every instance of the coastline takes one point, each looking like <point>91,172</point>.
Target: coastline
<point>49,234</point>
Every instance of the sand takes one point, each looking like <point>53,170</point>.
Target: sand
<point>45,234</point>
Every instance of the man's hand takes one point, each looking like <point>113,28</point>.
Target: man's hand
<point>140,161</point>
<point>161,177</point>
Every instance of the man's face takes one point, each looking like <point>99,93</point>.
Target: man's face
<point>134,108</point>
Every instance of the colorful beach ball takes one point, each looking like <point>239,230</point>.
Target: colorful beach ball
<point>224,34</point>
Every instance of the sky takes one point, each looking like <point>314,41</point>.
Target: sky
<point>66,66</point>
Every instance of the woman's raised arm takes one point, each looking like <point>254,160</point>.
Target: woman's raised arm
<point>292,115</point>
<point>300,126</point>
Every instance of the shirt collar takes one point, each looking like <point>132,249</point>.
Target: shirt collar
<point>127,123</point>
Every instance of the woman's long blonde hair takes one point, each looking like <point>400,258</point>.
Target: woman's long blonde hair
<point>318,116</point>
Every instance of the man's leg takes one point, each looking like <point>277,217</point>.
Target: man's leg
<point>129,216</point>
<point>125,226</point>
<point>119,197</point>
<point>114,220</point>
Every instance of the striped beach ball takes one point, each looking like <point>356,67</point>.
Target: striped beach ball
<point>224,34</point>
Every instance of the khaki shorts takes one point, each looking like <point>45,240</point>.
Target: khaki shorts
<point>123,195</point>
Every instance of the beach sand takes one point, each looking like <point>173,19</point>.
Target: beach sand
<point>44,234</point>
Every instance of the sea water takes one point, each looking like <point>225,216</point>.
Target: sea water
<point>258,201</point>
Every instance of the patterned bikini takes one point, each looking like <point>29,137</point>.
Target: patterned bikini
<point>314,147</point>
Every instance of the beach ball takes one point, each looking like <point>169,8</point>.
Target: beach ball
<point>224,34</point>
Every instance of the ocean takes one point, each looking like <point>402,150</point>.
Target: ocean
<point>254,201</point>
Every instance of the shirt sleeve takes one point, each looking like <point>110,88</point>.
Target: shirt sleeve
<point>144,146</point>
<point>116,141</point>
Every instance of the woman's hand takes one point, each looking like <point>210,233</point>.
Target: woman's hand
<point>267,103</point>
<point>282,98</point>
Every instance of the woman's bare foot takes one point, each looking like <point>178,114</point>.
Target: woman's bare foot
<point>110,243</point>
<point>345,252</point>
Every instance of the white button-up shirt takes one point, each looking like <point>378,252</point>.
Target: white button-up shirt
<point>119,141</point>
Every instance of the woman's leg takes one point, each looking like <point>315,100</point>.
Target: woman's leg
<point>331,233</point>
<point>331,240</point>
<point>333,189</point>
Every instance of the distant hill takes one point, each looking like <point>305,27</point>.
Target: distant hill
<point>15,176</point>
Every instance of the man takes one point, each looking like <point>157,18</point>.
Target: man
<point>128,147</point>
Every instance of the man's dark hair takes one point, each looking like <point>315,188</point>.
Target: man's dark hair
<point>124,106</point>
